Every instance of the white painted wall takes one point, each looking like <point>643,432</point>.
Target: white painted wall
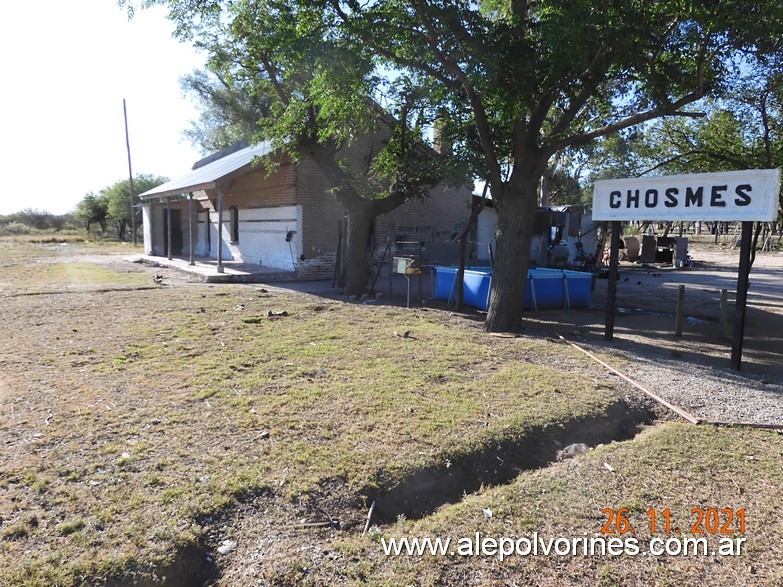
<point>146,214</point>
<point>214,239</point>
<point>153,229</point>
<point>262,233</point>
<point>202,242</point>
<point>486,228</point>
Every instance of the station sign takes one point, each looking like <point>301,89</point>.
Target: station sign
<point>748,195</point>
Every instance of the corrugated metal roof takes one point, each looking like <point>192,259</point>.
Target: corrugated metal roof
<point>206,177</point>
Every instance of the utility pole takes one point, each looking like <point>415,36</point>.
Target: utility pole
<point>130,174</point>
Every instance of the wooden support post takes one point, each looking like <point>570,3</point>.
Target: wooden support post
<point>680,313</point>
<point>724,313</point>
<point>168,229</point>
<point>190,227</point>
<point>220,233</point>
<point>391,265</point>
<point>338,256</point>
<point>611,291</point>
<point>420,268</point>
<point>742,296</point>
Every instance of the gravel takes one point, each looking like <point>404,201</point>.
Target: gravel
<point>693,372</point>
<point>707,392</point>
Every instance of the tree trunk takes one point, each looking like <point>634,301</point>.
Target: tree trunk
<point>546,182</point>
<point>357,240</point>
<point>476,207</point>
<point>516,208</point>
<point>360,212</point>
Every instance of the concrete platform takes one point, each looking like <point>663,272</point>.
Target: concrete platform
<point>206,270</point>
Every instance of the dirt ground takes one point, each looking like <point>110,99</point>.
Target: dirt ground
<point>59,343</point>
<point>647,298</point>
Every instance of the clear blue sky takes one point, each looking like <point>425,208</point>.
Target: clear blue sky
<point>66,68</point>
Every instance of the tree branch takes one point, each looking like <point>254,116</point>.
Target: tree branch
<point>671,109</point>
<point>476,103</point>
<point>272,73</point>
<point>590,77</point>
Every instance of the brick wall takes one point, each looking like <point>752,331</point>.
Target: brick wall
<point>435,221</point>
<point>321,213</point>
<point>256,189</point>
<point>321,267</point>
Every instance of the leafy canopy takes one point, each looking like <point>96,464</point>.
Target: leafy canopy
<point>285,72</point>
<point>117,195</point>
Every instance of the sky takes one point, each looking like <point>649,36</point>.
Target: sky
<point>66,68</point>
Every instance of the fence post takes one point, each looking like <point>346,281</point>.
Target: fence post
<point>680,314</point>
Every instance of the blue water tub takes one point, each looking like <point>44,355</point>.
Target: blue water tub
<point>475,286</point>
<point>546,289</point>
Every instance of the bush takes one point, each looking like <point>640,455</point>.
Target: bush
<point>13,228</point>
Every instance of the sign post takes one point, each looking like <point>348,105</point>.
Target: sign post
<point>611,288</point>
<point>742,296</point>
<point>747,196</point>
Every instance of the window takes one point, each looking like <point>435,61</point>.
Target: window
<point>234,224</point>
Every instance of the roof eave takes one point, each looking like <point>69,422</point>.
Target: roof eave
<point>150,197</point>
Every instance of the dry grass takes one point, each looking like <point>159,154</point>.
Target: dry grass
<point>674,466</point>
<point>133,415</point>
<point>142,424</point>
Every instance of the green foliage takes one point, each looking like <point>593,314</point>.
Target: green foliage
<point>284,72</point>
<point>117,199</point>
<point>742,129</point>
<point>117,195</point>
<point>15,228</point>
<point>567,71</point>
<point>31,221</point>
<point>93,209</point>
<point>33,218</point>
<point>228,114</point>
<point>113,204</point>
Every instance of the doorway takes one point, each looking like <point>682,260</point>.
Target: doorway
<point>176,232</point>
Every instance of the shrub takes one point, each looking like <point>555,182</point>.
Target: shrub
<point>13,228</point>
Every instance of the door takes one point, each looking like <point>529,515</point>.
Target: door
<point>176,232</point>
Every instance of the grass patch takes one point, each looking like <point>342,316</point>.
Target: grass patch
<point>68,528</point>
<point>673,466</point>
<point>165,407</point>
<point>75,275</point>
<point>30,268</point>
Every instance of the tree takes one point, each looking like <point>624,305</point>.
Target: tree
<point>522,81</point>
<point>310,91</point>
<point>228,112</point>
<point>40,219</point>
<point>743,129</point>
<point>117,200</point>
<point>91,209</point>
<point>562,182</point>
